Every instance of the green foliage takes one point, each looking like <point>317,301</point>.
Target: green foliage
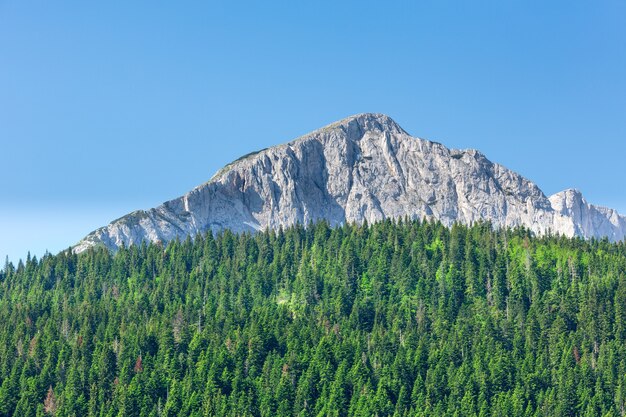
<point>403,318</point>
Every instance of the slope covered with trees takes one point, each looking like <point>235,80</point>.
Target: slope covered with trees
<point>406,318</point>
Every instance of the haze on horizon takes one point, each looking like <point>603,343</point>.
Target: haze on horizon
<point>107,108</point>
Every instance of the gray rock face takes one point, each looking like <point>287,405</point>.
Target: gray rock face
<point>365,167</point>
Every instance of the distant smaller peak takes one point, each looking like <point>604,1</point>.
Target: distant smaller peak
<point>570,192</point>
<point>564,200</point>
<point>573,191</point>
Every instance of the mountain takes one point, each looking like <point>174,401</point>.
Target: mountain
<point>364,167</point>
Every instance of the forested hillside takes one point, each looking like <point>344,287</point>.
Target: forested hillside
<point>406,318</point>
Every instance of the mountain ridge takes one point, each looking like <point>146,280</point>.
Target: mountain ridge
<point>363,167</point>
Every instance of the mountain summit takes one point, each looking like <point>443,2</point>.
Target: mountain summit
<point>365,167</point>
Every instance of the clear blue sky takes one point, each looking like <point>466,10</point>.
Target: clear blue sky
<point>107,107</point>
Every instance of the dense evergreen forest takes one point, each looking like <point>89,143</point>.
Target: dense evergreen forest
<point>392,319</point>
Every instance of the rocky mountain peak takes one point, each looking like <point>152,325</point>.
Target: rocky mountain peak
<point>364,167</point>
<point>355,126</point>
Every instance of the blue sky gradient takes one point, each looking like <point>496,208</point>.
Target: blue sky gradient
<point>114,106</point>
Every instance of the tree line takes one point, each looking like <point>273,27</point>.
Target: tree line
<point>397,318</point>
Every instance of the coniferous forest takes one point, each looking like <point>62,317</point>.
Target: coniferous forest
<point>404,318</point>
